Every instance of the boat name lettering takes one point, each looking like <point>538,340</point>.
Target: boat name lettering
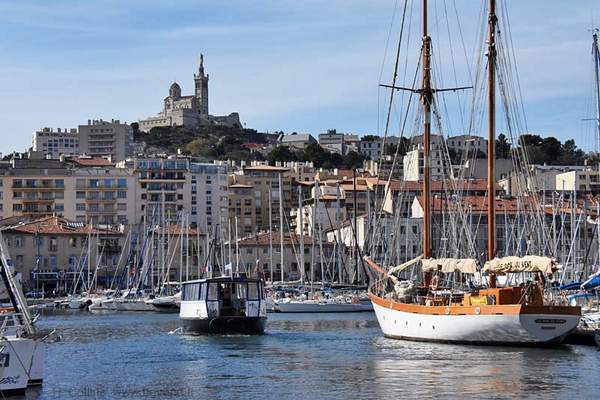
<point>10,380</point>
<point>549,321</point>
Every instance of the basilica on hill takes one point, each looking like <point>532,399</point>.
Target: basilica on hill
<point>190,110</point>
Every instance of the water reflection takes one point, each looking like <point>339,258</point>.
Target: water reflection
<point>132,356</point>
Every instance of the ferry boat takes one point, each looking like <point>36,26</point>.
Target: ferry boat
<point>227,304</point>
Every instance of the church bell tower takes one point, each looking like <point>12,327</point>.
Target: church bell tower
<point>201,85</point>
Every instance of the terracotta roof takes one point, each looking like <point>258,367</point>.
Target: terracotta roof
<point>478,204</point>
<point>262,239</point>
<point>58,225</point>
<point>174,229</point>
<point>438,186</point>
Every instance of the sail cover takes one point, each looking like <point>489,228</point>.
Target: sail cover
<point>403,266</point>
<point>450,265</point>
<point>514,264</point>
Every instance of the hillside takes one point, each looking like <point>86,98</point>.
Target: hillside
<point>209,142</point>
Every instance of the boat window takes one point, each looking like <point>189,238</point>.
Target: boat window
<point>203,291</point>
<point>262,290</point>
<point>253,291</point>
<point>213,291</point>
<point>191,292</point>
<point>240,290</point>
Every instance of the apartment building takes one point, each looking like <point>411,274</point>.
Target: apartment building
<point>163,192</point>
<point>54,143</point>
<point>587,180</point>
<point>42,187</point>
<point>325,208</point>
<point>414,162</point>
<point>52,252</point>
<point>467,144</point>
<point>265,182</point>
<point>208,195</point>
<point>104,138</point>
<point>242,211</point>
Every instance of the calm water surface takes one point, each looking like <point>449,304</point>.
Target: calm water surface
<point>133,356</point>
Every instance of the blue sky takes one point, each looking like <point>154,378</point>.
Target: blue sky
<point>283,65</point>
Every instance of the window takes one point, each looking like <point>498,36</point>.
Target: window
<point>253,293</point>
<point>17,207</point>
<point>73,242</point>
<point>19,261</point>
<point>203,291</point>
<point>213,291</point>
<point>121,194</point>
<point>18,241</point>
<point>80,207</point>
<point>122,206</point>
<point>52,244</point>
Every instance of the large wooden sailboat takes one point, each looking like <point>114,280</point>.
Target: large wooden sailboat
<point>424,311</point>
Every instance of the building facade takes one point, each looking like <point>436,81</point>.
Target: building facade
<point>108,139</point>
<point>54,143</point>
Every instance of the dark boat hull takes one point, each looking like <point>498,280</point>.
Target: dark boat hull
<point>225,325</point>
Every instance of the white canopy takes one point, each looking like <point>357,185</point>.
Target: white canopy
<point>514,264</point>
<point>450,265</point>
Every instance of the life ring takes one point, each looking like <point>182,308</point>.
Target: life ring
<point>355,300</point>
<point>435,282</point>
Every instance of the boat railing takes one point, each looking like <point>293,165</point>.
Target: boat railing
<point>9,321</point>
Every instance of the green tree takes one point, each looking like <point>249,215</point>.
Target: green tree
<point>282,153</point>
<point>502,146</point>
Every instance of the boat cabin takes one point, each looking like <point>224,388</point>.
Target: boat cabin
<point>223,297</point>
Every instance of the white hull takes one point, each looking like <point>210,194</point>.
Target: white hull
<point>22,364</point>
<point>515,329</point>
<point>313,306</point>
<point>121,305</point>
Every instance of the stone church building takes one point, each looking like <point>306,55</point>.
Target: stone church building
<point>191,110</point>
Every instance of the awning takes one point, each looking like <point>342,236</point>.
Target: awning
<point>515,264</point>
<point>450,265</point>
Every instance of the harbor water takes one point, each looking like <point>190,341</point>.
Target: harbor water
<point>343,356</point>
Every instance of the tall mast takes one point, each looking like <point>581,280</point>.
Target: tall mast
<point>596,53</point>
<point>426,99</point>
<point>491,130</point>
<point>491,180</point>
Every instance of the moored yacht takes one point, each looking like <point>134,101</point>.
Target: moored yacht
<point>223,305</point>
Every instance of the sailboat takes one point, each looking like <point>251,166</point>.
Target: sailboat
<point>427,311</point>
<point>21,351</point>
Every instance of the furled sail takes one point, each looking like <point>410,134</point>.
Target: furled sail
<point>450,265</point>
<point>515,264</point>
<point>403,266</point>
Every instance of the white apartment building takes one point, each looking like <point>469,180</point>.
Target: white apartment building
<point>584,180</point>
<point>463,144</point>
<point>54,143</point>
<point>373,149</point>
<point>208,195</point>
<point>104,138</point>
<point>321,211</point>
<point>413,160</point>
